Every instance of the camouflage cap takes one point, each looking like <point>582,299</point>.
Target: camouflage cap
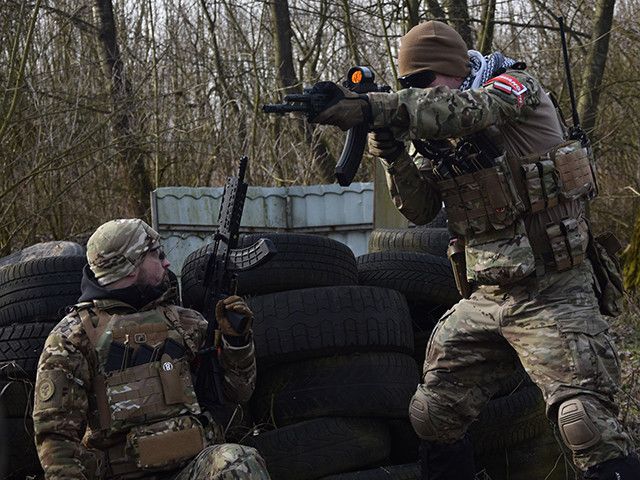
<point>117,247</point>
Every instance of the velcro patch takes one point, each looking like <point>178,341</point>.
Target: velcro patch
<point>46,389</point>
<point>509,85</point>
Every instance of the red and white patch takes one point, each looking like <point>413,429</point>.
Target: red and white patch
<point>510,85</point>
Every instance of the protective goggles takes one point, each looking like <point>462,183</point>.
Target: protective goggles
<point>160,251</point>
<point>417,80</point>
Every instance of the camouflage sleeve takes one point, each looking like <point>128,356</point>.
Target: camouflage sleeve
<point>415,197</point>
<point>239,371</point>
<point>61,404</point>
<point>441,112</point>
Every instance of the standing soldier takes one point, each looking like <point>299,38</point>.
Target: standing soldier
<point>514,188</point>
<point>114,396</point>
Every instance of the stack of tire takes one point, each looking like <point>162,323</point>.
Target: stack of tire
<point>335,372</point>
<point>512,437</point>
<point>414,262</point>
<point>36,286</point>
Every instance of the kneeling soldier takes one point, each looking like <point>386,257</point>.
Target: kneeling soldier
<point>114,393</point>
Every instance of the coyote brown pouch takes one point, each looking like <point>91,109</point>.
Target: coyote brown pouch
<point>166,444</point>
<point>481,201</point>
<point>150,392</point>
<point>500,259</point>
<point>566,172</point>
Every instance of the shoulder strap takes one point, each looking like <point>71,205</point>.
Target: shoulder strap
<point>91,323</point>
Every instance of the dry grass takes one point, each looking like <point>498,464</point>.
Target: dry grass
<point>626,332</point>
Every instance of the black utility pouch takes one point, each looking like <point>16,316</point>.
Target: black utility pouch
<point>602,252</point>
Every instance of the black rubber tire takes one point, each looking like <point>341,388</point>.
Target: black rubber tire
<point>517,381</point>
<point>302,261</point>
<point>391,472</point>
<point>510,420</point>
<point>17,398</point>
<point>192,276</point>
<point>21,455</point>
<point>424,240</point>
<point>404,441</point>
<point>56,248</point>
<point>4,454</point>
<point>539,458</point>
<point>315,322</point>
<point>425,316</point>
<point>324,446</point>
<point>39,290</point>
<point>361,385</point>
<point>439,221</point>
<point>421,277</point>
<point>421,339</point>
<point>20,348</point>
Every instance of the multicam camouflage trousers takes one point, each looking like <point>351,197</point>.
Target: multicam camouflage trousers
<point>552,324</point>
<point>226,461</point>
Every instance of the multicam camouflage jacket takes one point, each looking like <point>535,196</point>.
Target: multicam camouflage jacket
<point>70,433</point>
<point>510,214</point>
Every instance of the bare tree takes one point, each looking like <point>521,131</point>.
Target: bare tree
<point>458,17</point>
<point>413,13</point>
<point>283,50</point>
<point>486,34</point>
<point>436,12</point>
<point>131,156</point>
<point>185,80</point>
<point>596,63</point>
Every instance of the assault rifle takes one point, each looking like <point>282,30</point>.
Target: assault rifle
<point>313,100</point>
<point>220,278</point>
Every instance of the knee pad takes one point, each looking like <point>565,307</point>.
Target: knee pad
<point>419,417</point>
<point>423,424</point>
<point>578,431</point>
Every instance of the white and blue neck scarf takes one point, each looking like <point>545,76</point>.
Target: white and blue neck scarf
<point>484,67</point>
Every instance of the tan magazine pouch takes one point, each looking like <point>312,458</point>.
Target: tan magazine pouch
<point>565,172</point>
<point>150,391</point>
<point>166,444</point>
<point>567,243</point>
<point>482,201</point>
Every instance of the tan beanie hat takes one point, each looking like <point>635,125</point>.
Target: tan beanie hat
<point>433,46</point>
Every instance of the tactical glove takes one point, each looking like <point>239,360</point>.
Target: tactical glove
<point>344,109</point>
<point>237,305</point>
<point>382,144</point>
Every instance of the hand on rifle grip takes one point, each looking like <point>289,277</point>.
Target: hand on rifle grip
<point>383,144</point>
<point>234,316</point>
<point>344,109</point>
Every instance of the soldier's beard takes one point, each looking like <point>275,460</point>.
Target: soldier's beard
<point>149,291</point>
